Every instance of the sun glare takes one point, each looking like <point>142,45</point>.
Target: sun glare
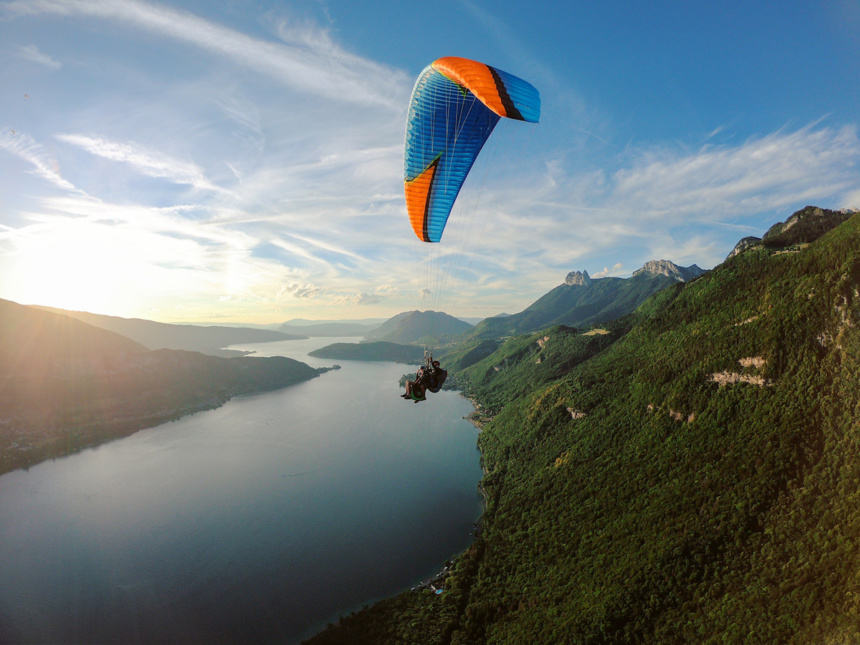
<point>71,266</point>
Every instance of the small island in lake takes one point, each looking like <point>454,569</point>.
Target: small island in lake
<point>376,351</point>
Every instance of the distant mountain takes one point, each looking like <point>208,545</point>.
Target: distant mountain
<point>65,384</point>
<point>307,322</point>
<point>155,335</point>
<point>670,270</point>
<point>583,301</point>
<point>331,328</point>
<point>416,326</point>
<point>31,339</point>
<point>373,351</point>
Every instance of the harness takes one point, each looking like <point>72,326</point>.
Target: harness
<point>430,377</point>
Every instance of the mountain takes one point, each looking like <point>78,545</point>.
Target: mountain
<point>803,227</point>
<point>691,476</point>
<point>670,270</point>
<point>155,335</point>
<point>583,301</point>
<point>66,385</point>
<point>744,244</point>
<point>330,328</point>
<point>307,322</point>
<point>418,326</point>
<point>31,339</point>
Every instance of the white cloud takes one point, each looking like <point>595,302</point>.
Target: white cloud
<point>26,148</point>
<point>311,63</point>
<point>151,163</point>
<point>851,200</point>
<point>32,53</point>
<point>357,299</point>
<point>337,249</point>
<point>617,269</point>
<point>302,290</point>
<point>652,202</point>
<point>717,182</point>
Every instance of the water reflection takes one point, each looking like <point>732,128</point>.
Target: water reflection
<point>256,522</point>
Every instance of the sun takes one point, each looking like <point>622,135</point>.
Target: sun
<point>60,266</point>
<point>78,264</point>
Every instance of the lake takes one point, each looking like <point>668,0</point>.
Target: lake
<point>257,522</point>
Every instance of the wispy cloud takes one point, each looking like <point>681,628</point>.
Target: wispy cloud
<point>761,174</point>
<point>311,64</point>
<point>358,299</point>
<point>32,53</point>
<point>24,147</point>
<point>298,290</point>
<point>339,250</point>
<point>648,208</point>
<point>151,163</point>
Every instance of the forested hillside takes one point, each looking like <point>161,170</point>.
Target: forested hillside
<point>373,351</point>
<point>66,385</point>
<point>695,480</point>
<point>419,326</point>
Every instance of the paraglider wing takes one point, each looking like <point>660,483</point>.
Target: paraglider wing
<point>455,105</point>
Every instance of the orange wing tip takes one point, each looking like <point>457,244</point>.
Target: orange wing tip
<point>418,199</point>
<point>475,77</point>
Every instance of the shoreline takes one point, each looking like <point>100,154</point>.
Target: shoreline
<point>26,440</point>
<point>436,583</point>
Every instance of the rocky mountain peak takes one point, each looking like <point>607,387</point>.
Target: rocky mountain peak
<point>667,268</point>
<point>578,278</point>
<point>804,226</point>
<point>745,243</point>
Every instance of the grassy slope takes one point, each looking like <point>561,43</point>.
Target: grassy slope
<point>676,509</point>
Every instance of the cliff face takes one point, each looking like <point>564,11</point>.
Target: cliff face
<point>803,227</point>
<point>743,245</point>
<point>671,270</point>
<point>578,278</point>
<point>583,301</point>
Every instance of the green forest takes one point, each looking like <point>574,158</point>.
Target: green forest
<point>688,474</point>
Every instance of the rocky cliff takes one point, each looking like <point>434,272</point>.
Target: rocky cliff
<point>671,270</point>
<point>578,278</point>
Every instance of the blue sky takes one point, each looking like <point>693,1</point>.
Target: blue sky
<point>242,161</point>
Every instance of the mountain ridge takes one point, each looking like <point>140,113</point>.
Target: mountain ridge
<point>582,301</point>
<point>155,335</point>
<point>419,326</point>
<point>693,480</point>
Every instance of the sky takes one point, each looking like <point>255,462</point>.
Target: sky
<point>242,161</point>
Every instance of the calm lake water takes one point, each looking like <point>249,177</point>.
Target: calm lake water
<point>260,521</point>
